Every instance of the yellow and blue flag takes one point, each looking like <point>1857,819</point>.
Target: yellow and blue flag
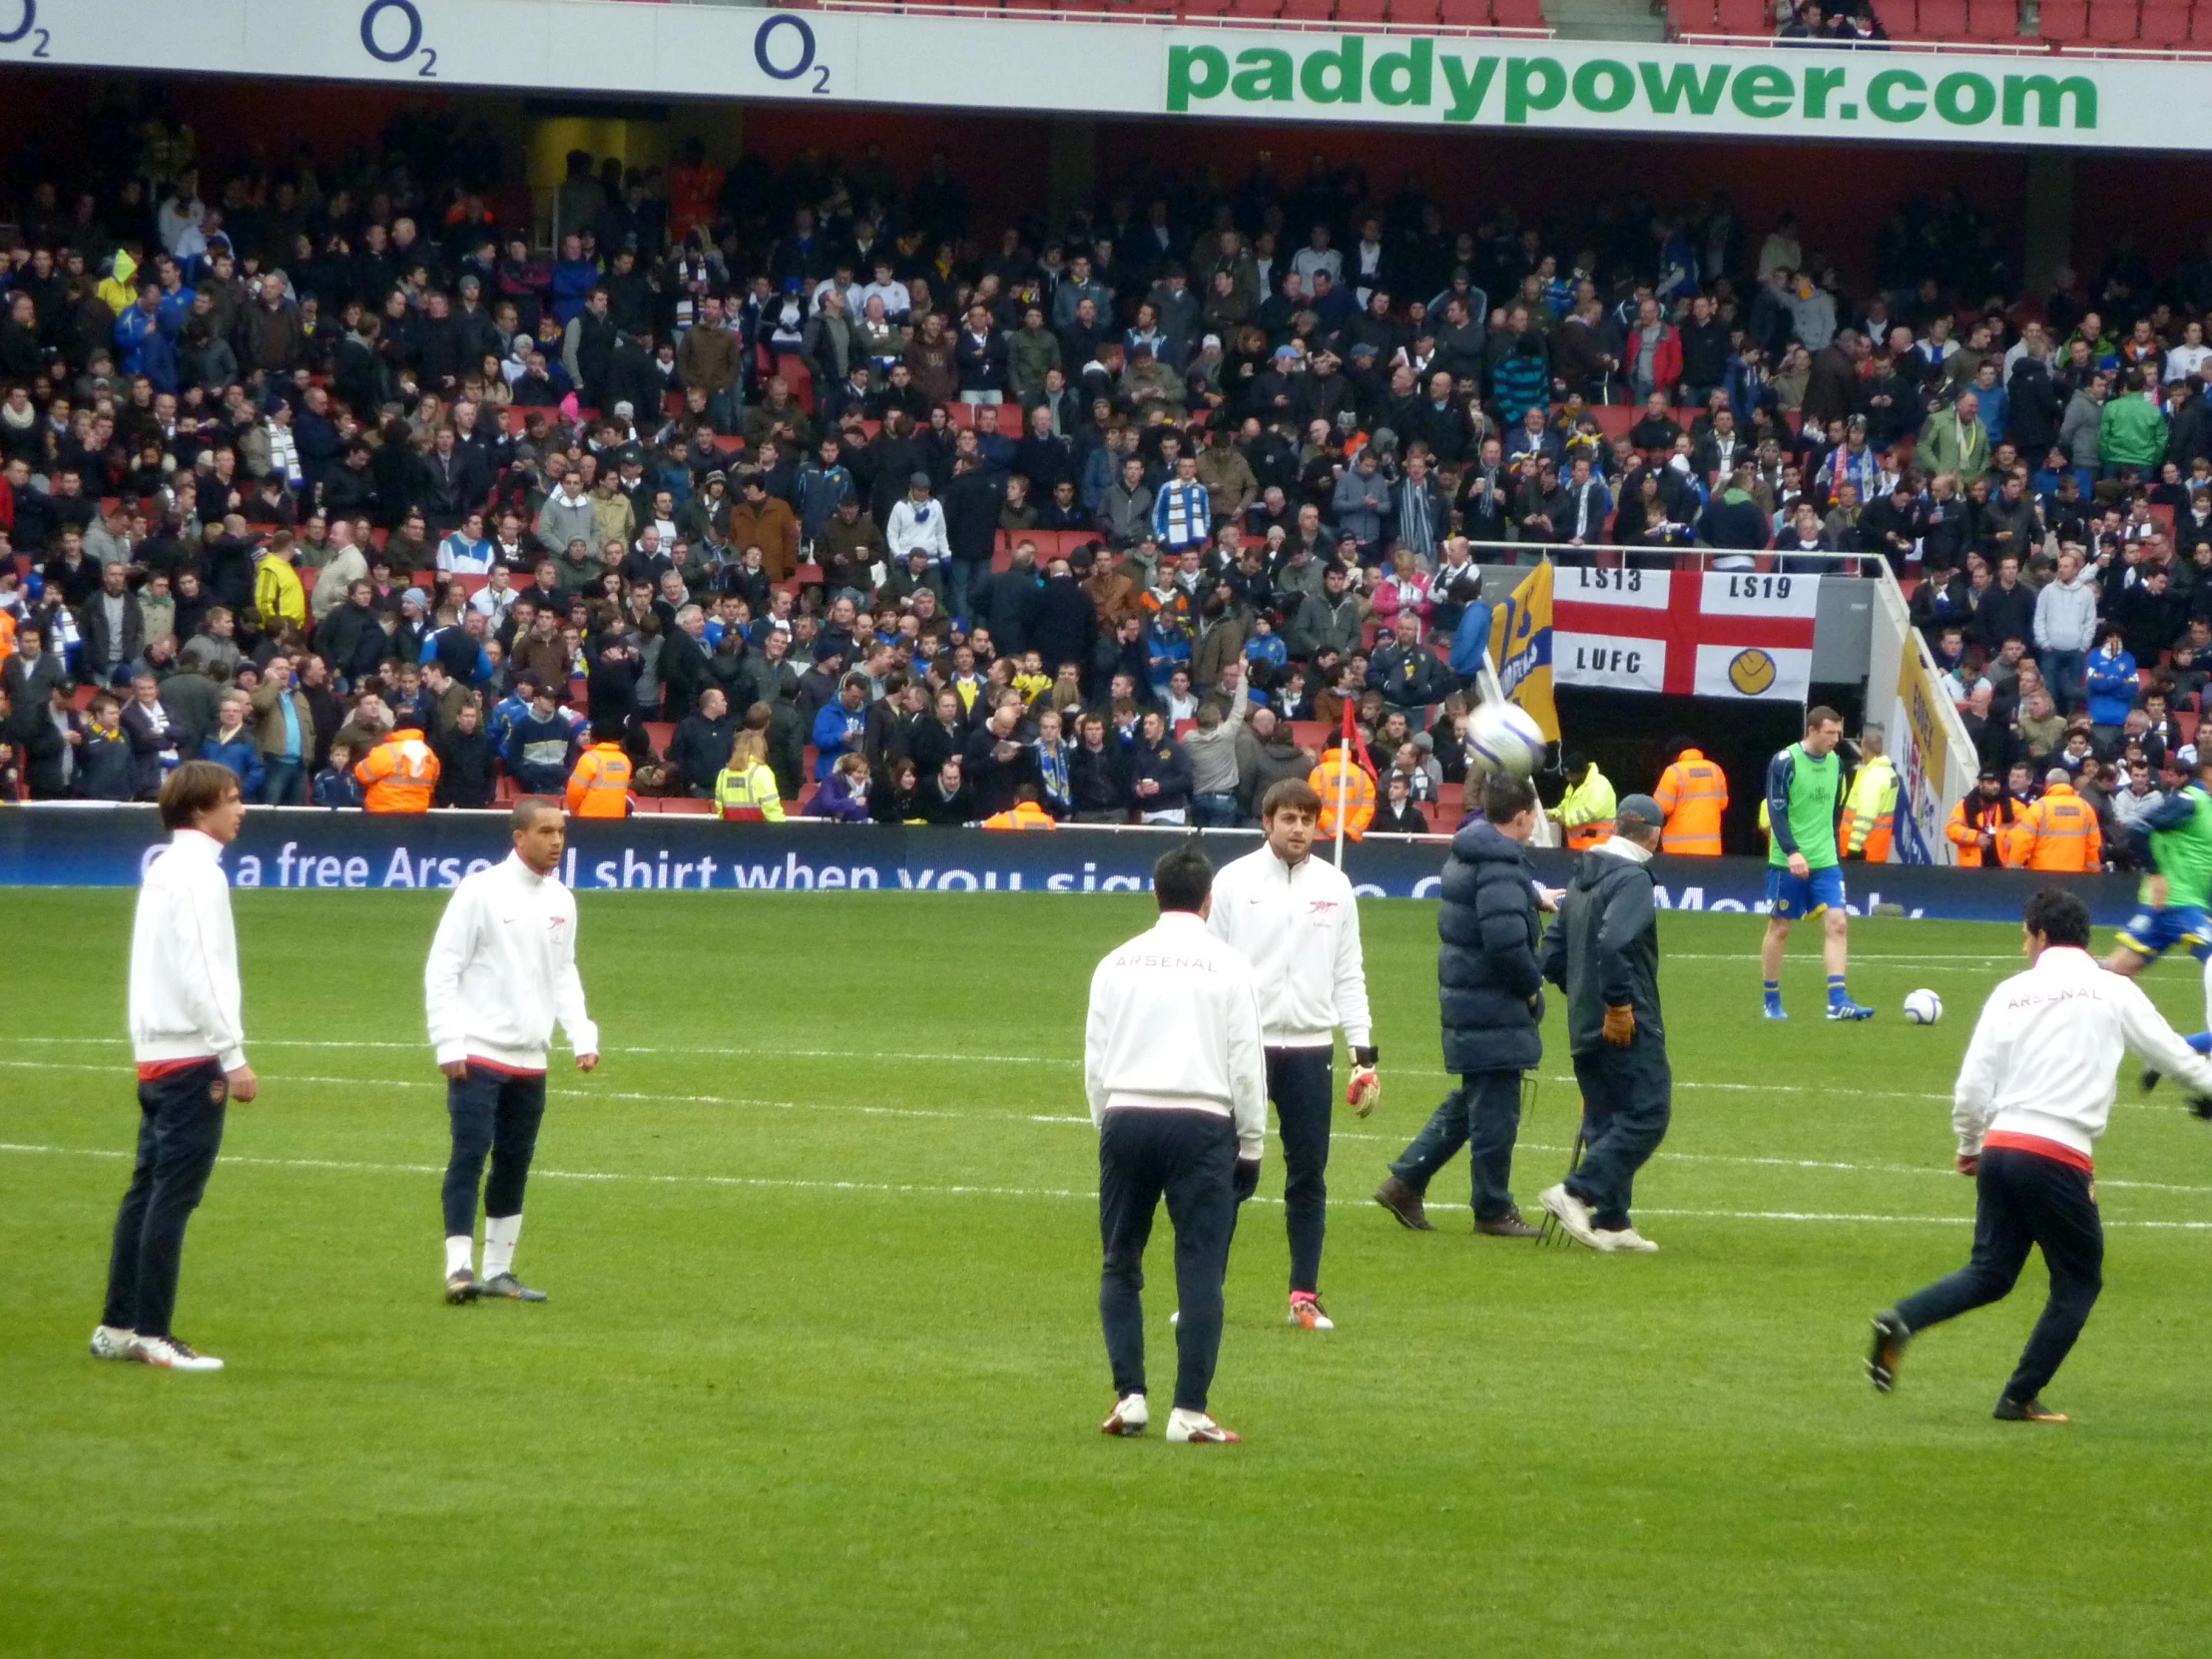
<point>1521,649</point>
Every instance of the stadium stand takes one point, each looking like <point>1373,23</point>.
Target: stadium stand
<point>251,415</point>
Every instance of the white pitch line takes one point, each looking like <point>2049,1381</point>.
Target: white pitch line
<point>921,1189</point>
<point>1072,1120</point>
<point>718,1053</point>
<point>962,1059</point>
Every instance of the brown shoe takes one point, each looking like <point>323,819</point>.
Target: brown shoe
<point>1403,1202</point>
<point>1508,1225</point>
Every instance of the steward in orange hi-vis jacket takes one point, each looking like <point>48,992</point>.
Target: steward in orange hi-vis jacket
<point>398,775</point>
<point>600,784</point>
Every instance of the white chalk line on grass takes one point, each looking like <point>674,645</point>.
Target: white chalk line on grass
<point>1074,1121</point>
<point>960,1060</point>
<point>921,1190</point>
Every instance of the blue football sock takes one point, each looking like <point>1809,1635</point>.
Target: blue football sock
<point>1774,993</point>
<point>2202,1042</point>
<point>1837,996</point>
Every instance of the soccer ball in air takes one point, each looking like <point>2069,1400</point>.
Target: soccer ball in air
<point>1922,1008</point>
<point>1505,738</point>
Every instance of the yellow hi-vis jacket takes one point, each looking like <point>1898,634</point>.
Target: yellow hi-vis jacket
<point>748,797</point>
<point>1870,810</point>
<point>1586,810</point>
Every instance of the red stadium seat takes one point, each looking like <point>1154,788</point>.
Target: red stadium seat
<point>2065,19</point>
<point>1254,8</point>
<point>1690,17</point>
<point>2112,21</point>
<point>1363,11</point>
<point>1941,20</point>
<point>1308,11</point>
<point>1745,17</point>
<point>1993,19</point>
<point>2165,23</point>
<point>1517,14</point>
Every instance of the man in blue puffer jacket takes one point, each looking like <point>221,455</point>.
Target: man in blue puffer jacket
<point>2112,683</point>
<point>1490,986</point>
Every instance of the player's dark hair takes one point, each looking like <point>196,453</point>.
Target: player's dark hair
<point>1505,798</point>
<point>1818,715</point>
<point>1293,794</point>
<point>1181,878</point>
<point>528,811</point>
<point>2059,916</point>
<point>196,786</point>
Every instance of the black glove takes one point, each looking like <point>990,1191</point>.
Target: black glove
<point>1245,1182</point>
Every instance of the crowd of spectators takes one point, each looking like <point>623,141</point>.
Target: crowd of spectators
<point>1842,23</point>
<point>1091,514</point>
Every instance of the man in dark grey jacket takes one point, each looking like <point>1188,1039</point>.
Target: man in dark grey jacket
<point>1490,987</point>
<point>1603,951</point>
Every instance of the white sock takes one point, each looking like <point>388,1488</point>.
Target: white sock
<point>501,1236</point>
<point>459,1251</point>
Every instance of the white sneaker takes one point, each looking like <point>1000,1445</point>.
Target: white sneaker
<point>1197,1428</point>
<point>1625,1239</point>
<point>1573,1215</point>
<point>1131,1415</point>
<point>112,1341</point>
<point>171,1354</point>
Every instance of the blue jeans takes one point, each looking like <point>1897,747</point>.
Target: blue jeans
<point>1482,1115</point>
<point>284,783</point>
<point>2062,672</point>
<point>1215,812</point>
<point>959,586</point>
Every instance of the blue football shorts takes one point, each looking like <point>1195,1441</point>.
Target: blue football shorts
<point>1792,897</point>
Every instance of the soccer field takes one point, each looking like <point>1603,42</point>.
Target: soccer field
<point>822,1369</point>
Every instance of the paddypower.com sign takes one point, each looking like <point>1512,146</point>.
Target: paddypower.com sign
<point>1557,83</point>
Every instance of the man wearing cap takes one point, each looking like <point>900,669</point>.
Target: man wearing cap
<point>1603,953</point>
<point>917,522</point>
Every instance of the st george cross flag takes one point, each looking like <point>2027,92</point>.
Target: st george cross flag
<point>1737,635</point>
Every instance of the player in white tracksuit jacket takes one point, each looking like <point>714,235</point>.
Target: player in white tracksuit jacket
<point>502,969</point>
<point>1295,918</point>
<point>190,1044</point>
<point>1172,1070</point>
<point>2034,1094</point>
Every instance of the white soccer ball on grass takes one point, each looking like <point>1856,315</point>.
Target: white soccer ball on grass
<point>1922,1007</point>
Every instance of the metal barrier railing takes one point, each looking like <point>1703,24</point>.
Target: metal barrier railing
<point>2024,47</point>
<point>1209,20</point>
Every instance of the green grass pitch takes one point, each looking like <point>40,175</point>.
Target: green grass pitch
<point>821,1372</point>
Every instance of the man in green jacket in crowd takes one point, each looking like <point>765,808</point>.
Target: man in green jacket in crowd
<point>2132,436</point>
<point>1954,441</point>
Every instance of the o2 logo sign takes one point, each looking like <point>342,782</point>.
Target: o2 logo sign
<point>788,59</point>
<point>42,40</point>
<point>391,33</point>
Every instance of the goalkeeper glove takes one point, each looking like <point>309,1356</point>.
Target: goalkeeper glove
<point>1246,1181</point>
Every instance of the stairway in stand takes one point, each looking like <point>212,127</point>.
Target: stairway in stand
<point>1605,20</point>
